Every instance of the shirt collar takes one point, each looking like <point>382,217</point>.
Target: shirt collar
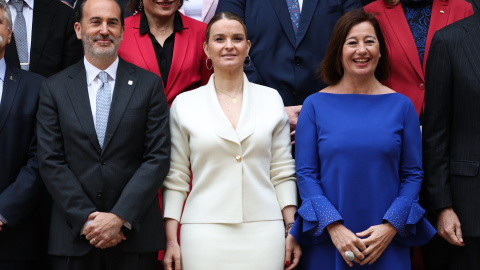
<point>28,2</point>
<point>92,71</point>
<point>3,69</point>
<point>177,23</point>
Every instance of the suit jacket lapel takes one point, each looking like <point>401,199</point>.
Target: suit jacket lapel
<point>11,54</point>
<point>121,96</point>
<point>179,52</point>
<point>397,20</point>
<point>470,45</point>
<point>146,47</point>
<point>439,19</point>
<point>206,7</point>
<point>246,123</point>
<point>281,9</point>
<point>42,18</point>
<point>12,80</point>
<point>308,9</point>
<point>77,90</point>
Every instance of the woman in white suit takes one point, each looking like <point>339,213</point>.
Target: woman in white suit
<point>234,136</point>
<point>200,10</point>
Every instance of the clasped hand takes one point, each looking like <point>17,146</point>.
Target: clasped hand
<point>367,245</point>
<point>104,230</point>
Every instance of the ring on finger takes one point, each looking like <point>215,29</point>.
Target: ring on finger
<point>349,255</point>
<point>95,240</point>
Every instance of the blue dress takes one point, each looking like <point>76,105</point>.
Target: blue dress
<point>359,161</point>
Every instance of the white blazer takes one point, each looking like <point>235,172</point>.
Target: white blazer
<point>208,9</point>
<point>239,175</point>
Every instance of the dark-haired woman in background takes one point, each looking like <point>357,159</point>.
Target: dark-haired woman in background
<point>359,159</point>
<point>235,137</point>
<point>162,40</point>
<point>409,26</point>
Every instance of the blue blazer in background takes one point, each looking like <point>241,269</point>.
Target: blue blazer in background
<point>280,59</point>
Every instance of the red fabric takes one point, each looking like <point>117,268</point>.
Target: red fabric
<point>408,76</point>
<point>188,70</point>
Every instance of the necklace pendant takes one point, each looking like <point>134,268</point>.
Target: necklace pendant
<point>234,100</point>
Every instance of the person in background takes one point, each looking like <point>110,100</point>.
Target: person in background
<point>409,26</point>
<point>359,159</point>
<point>162,40</point>
<point>43,41</point>
<point>451,146</point>
<point>22,246</point>
<point>200,10</point>
<point>290,38</point>
<point>234,136</point>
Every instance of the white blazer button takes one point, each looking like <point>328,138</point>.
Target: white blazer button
<point>238,158</point>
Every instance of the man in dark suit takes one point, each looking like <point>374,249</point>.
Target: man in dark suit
<point>284,58</point>
<point>53,43</point>
<point>21,245</point>
<point>451,133</point>
<point>104,151</point>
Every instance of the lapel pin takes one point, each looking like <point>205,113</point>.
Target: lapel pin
<point>441,11</point>
<point>130,82</point>
<point>11,78</point>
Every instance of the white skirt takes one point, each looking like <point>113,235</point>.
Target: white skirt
<point>252,245</point>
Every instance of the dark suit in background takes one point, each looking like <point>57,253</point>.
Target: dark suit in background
<point>451,139</point>
<point>20,183</point>
<point>280,59</point>
<point>54,45</point>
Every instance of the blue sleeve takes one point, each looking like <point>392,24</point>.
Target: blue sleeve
<point>405,214</point>
<point>316,211</point>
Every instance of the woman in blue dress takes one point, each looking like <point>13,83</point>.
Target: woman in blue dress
<point>359,160</point>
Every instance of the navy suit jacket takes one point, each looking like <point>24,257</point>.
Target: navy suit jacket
<point>54,43</point>
<point>451,128</point>
<point>280,59</point>
<point>20,183</point>
<point>122,178</point>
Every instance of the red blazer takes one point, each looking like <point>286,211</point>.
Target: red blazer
<point>408,76</point>
<point>188,70</point>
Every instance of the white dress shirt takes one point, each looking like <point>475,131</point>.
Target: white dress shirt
<point>193,9</point>
<point>28,14</point>
<point>300,4</point>
<point>94,83</point>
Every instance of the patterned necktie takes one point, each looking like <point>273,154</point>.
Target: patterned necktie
<point>104,98</point>
<point>294,10</point>
<point>20,33</point>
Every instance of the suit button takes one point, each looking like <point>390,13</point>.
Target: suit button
<point>238,158</point>
<point>298,61</point>
<point>421,86</point>
<point>99,194</point>
<point>103,162</point>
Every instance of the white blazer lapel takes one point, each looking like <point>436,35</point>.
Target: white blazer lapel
<point>246,123</point>
<point>222,126</point>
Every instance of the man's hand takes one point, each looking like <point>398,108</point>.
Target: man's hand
<point>115,241</point>
<point>1,224</point>
<point>103,228</point>
<point>449,227</point>
<point>293,112</point>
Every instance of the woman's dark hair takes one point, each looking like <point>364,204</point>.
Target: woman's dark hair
<point>224,15</point>
<point>134,5</point>
<point>331,69</point>
<point>79,14</point>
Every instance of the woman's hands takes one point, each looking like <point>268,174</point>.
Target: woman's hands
<point>346,240</point>
<point>379,237</point>
<point>172,258</point>
<point>293,252</point>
